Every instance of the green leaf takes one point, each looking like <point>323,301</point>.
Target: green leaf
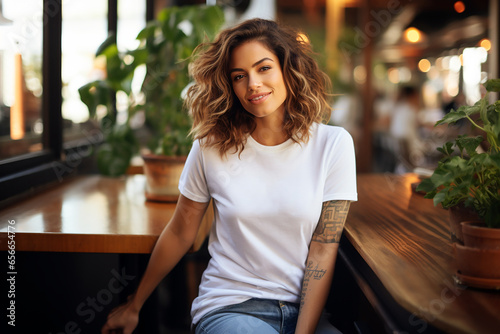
<point>483,110</point>
<point>441,176</point>
<point>426,185</point>
<point>113,157</point>
<point>480,160</point>
<point>140,57</point>
<point>148,32</point>
<point>447,148</point>
<point>492,215</point>
<point>470,144</point>
<point>95,93</point>
<point>495,159</point>
<point>214,20</point>
<point>456,164</point>
<point>109,41</point>
<point>494,118</point>
<point>438,198</point>
<point>492,85</point>
<point>462,112</point>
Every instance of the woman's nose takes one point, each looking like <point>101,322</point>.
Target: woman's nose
<point>253,82</point>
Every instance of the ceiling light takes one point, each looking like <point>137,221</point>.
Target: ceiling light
<point>459,7</point>
<point>424,65</point>
<point>393,75</point>
<point>412,35</point>
<point>485,43</point>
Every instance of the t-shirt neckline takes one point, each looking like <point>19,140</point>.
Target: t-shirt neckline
<point>272,148</point>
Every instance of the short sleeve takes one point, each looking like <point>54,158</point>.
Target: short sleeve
<point>193,183</point>
<point>340,183</point>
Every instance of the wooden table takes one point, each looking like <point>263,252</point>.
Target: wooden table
<point>74,239</point>
<point>397,244</point>
<point>91,214</point>
<point>399,249</point>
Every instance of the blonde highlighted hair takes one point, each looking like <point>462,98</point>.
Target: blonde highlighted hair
<point>217,113</point>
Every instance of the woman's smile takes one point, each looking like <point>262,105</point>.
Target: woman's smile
<point>258,98</point>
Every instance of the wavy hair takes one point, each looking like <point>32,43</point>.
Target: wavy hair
<point>217,113</point>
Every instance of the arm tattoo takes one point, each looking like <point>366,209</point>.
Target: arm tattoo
<point>328,230</point>
<point>331,222</point>
<point>311,272</point>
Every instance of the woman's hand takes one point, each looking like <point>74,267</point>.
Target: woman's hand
<point>122,319</point>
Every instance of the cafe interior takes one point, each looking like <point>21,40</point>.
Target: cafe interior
<point>80,217</point>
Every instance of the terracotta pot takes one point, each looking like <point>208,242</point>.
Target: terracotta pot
<point>476,234</point>
<point>162,177</point>
<point>458,214</point>
<point>479,263</point>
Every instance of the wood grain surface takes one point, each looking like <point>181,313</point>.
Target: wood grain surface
<point>400,235</point>
<point>405,240</point>
<point>91,214</point>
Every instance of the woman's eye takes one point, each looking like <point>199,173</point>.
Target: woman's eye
<point>265,68</point>
<point>238,77</point>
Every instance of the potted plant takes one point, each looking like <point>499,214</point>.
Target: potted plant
<point>468,176</point>
<point>165,47</point>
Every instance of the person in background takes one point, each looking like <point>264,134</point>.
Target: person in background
<point>404,129</point>
<point>281,183</point>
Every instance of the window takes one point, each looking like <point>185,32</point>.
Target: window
<point>84,28</point>
<point>21,124</point>
<point>131,20</point>
<point>47,52</point>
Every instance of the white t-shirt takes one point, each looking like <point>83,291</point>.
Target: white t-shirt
<point>267,203</point>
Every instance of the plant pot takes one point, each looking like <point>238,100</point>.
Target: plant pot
<point>458,214</point>
<point>162,177</point>
<point>478,267</point>
<point>476,234</point>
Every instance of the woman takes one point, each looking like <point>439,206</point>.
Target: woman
<point>280,181</point>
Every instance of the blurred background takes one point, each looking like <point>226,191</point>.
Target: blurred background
<point>397,67</point>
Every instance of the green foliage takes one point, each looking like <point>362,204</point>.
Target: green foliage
<point>466,176</point>
<point>169,45</point>
<point>113,157</point>
<point>174,143</point>
<point>165,47</point>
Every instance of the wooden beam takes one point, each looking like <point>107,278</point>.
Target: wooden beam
<point>365,149</point>
<point>334,25</point>
<point>494,34</point>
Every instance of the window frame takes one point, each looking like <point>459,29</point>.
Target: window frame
<point>24,174</point>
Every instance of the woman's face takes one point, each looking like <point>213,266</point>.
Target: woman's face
<point>257,80</point>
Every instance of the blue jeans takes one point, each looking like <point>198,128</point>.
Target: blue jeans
<point>259,316</point>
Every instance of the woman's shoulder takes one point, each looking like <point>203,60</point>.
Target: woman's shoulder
<point>203,144</point>
<point>203,148</point>
<point>329,132</point>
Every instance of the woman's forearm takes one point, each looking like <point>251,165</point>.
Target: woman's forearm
<point>316,285</point>
<point>173,243</point>
<point>320,264</point>
<point>167,253</point>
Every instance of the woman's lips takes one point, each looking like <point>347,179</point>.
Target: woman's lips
<point>258,98</point>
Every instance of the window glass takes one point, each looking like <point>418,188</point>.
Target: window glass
<point>21,31</point>
<point>84,28</point>
<point>131,20</point>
